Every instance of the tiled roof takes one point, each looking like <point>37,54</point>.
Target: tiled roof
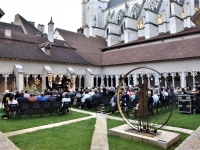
<point>13,27</point>
<point>32,38</point>
<point>178,49</point>
<point>167,35</point>
<point>88,48</point>
<point>29,27</point>
<point>18,48</point>
<point>113,3</point>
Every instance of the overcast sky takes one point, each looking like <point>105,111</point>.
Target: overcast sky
<point>66,14</point>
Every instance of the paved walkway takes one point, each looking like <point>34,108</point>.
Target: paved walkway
<point>99,139</point>
<point>192,142</point>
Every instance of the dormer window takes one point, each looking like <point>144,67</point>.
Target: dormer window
<point>46,48</point>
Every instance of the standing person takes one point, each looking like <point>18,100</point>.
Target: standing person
<point>197,93</point>
<point>12,101</point>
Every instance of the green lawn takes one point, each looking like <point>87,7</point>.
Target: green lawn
<point>75,136</point>
<point>14,124</point>
<point>188,121</point>
<point>116,143</point>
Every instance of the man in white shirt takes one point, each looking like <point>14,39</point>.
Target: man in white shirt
<point>86,95</point>
<point>155,98</point>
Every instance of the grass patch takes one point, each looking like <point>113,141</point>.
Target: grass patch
<point>75,136</point>
<point>116,143</point>
<point>25,122</point>
<point>187,121</point>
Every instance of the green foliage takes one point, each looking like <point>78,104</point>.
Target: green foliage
<point>33,88</point>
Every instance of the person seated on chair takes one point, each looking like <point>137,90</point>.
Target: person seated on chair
<point>95,96</point>
<point>42,98</point>
<point>26,94</point>
<point>32,98</point>
<point>113,103</point>
<point>12,101</point>
<point>6,98</point>
<point>86,95</point>
<point>78,95</point>
<point>135,109</point>
<point>22,99</point>
<point>65,109</point>
<point>155,97</point>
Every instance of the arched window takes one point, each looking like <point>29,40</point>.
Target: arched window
<point>183,13</point>
<point>135,11</point>
<point>120,16</point>
<point>160,18</point>
<point>140,24</point>
<point>196,5</point>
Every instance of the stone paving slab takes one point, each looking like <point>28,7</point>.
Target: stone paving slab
<point>192,142</point>
<point>100,139</point>
<point>6,144</point>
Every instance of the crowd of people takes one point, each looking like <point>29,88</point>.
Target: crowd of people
<point>128,94</point>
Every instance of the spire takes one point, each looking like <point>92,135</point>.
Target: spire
<point>51,22</point>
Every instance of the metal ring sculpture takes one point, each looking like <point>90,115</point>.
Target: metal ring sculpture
<point>118,99</point>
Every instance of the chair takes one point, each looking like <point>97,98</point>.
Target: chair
<point>66,105</point>
<point>78,103</point>
<point>24,107</point>
<point>95,103</point>
<point>35,106</point>
<point>14,108</point>
<point>45,106</point>
<point>55,105</point>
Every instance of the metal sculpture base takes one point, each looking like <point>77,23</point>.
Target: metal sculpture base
<point>162,139</point>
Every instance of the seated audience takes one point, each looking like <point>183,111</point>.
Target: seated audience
<point>26,94</point>
<point>32,98</point>
<point>42,98</point>
<point>22,99</point>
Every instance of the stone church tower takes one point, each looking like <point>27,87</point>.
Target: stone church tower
<point>124,21</point>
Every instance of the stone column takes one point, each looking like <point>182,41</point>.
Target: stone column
<point>73,81</point>
<point>5,81</point>
<point>165,74</point>
<point>111,77</point>
<point>148,76</point>
<point>27,76</point>
<point>173,74</point>
<point>102,80</point>
<point>79,84</point>
<point>129,78</point>
<point>123,80</point>
<point>107,77</point>
<point>97,84</point>
<point>193,73</point>
<point>135,81</point>
<point>117,79</point>
<point>183,75</point>
<point>156,76</point>
<point>141,78</point>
